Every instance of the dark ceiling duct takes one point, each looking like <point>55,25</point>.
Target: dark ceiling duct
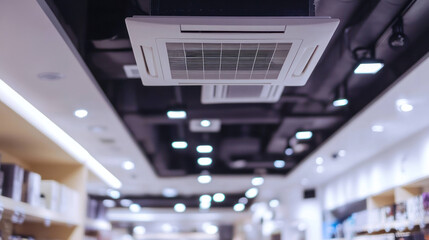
<point>361,35</point>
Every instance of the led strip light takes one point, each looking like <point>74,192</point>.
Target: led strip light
<point>32,115</point>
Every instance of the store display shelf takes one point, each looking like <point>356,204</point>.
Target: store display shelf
<point>394,225</point>
<point>98,225</point>
<point>35,214</point>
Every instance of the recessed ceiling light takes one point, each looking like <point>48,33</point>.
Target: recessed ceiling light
<point>170,192</point>
<point>177,114</point>
<point>274,203</point>
<point>210,228</point>
<point>319,161</point>
<point>219,197</point>
<point>289,151</point>
<point>139,230</point>
<point>204,179</point>
<point>205,205</point>
<point>204,161</point>
<point>135,208</point>
<point>304,135</point>
<point>166,227</point>
<point>320,169</point>
<point>115,194</point>
<point>342,153</point>
<point>128,165</point>
<point>239,207</point>
<point>377,128</point>
<point>251,193</point>
<point>81,113</point>
<point>243,200</point>
<point>403,105</point>
<point>179,144</point>
<point>205,198</point>
<point>257,181</point>
<point>180,207</point>
<point>204,149</point>
<point>340,102</point>
<point>368,66</point>
<point>279,163</point>
<point>126,202</point>
<point>205,123</point>
<point>109,203</point>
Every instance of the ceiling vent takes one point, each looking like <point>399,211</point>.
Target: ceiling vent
<point>228,50</point>
<point>240,93</point>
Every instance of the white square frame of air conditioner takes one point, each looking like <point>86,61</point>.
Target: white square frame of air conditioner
<point>218,94</point>
<point>308,37</point>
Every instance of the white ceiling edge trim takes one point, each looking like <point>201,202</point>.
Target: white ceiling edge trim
<point>32,115</point>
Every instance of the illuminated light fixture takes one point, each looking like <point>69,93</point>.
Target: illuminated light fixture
<point>342,153</point>
<point>125,202</point>
<point>320,169</point>
<point>205,198</point>
<point>257,181</point>
<point>166,227</point>
<point>109,203</point>
<point>403,105</point>
<point>135,208</point>
<point>340,102</point>
<point>115,194</point>
<point>210,228</point>
<point>179,144</point>
<point>205,205</point>
<point>243,200</point>
<point>176,114</point>
<point>289,151</point>
<point>368,66</point>
<point>204,178</point>
<point>170,192</point>
<point>204,161</point>
<point>340,99</point>
<point>239,207</point>
<point>32,115</point>
<point>205,123</point>
<point>319,161</point>
<point>274,203</point>
<point>81,113</point>
<point>279,163</point>
<point>251,193</point>
<point>204,149</point>
<point>180,207</point>
<point>139,230</point>
<point>219,197</point>
<point>128,165</point>
<point>377,128</point>
<point>304,135</point>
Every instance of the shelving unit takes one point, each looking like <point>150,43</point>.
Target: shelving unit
<point>375,228</point>
<point>22,144</point>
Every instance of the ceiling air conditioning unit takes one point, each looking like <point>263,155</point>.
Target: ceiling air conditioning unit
<point>228,50</point>
<point>212,94</point>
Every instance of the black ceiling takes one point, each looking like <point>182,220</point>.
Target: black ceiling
<point>257,133</point>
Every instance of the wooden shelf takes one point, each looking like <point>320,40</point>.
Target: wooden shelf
<point>36,214</point>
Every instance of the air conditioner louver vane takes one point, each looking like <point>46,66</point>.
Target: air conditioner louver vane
<point>228,50</point>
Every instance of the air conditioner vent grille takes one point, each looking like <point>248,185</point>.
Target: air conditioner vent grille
<point>235,61</point>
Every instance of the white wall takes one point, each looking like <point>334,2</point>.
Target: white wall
<point>305,212</point>
<point>400,164</point>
